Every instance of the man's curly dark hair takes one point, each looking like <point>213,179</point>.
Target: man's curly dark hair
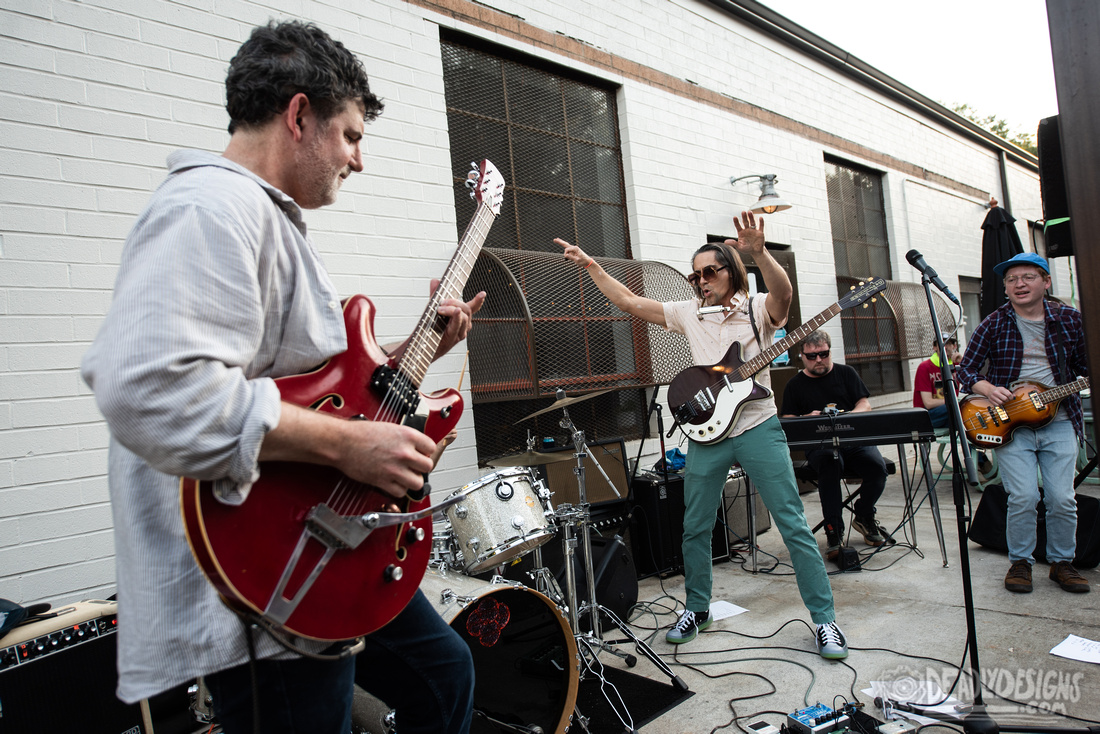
<point>280,60</point>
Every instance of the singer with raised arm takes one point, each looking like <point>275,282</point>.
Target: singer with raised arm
<point>1037,341</point>
<point>721,313</point>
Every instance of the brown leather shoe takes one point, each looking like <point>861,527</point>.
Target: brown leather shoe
<point>1065,575</point>
<point>1018,578</point>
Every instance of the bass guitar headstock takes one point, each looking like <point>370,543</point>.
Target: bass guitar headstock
<point>862,292</point>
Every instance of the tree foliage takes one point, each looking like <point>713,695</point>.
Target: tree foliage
<point>998,127</point>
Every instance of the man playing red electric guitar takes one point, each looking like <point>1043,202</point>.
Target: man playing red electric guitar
<point>1034,339</point>
<point>219,291</point>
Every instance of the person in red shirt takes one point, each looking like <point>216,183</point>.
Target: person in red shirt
<point>928,383</point>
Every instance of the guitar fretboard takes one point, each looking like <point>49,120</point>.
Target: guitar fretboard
<point>766,357</point>
<point>1055,394</point>
<point>429,330</point>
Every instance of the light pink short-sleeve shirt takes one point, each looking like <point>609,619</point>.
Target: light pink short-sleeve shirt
<point>710,338</point>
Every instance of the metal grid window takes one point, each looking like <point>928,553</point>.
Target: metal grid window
<point>860,248</point>
<point>554,137</point>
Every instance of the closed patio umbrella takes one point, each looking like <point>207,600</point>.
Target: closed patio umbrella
<point>1000,241</point>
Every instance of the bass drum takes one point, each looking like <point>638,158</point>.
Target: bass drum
<point>525,658</point>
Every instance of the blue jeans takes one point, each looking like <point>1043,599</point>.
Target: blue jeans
<point>1052,450</point>
<point>416,664</point>
<point>938,415</point>
<point>762,452</point>
<point>296,696</point>
<point>423,669</point>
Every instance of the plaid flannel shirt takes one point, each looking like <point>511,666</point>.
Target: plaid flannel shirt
<point>998,339</point>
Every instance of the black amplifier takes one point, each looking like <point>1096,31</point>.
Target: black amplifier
<point>657,526</point>
<point>58,674</point>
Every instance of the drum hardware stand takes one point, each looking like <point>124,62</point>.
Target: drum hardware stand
<point>593,608</point>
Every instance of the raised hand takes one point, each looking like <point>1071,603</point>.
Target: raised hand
<point>750,235</point>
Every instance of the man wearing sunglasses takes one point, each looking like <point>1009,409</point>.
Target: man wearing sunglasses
<point>1041,341</point>
<point>824,387</point>
<point>757,441</point>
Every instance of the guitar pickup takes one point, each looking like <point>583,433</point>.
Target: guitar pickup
<point>998,414</point>
<point>397,387</point>
<point>705,399</point>
<point>685,413</point>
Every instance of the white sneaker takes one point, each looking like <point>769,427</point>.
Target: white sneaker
<point>831,643</point>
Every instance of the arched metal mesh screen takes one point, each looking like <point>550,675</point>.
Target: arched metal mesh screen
<point>910,307</point>
<point>896,326</point>
<point>545,326</point>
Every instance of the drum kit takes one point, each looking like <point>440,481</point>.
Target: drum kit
<point>530,651</point>
<point>531,645</point>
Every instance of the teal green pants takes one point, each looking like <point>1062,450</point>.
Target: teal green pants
<point>762,452</point>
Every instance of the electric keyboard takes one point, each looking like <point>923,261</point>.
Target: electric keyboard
<point>872,428</point>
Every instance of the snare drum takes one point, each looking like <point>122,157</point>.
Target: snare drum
<point>526,666</point>
<point>500,517</point>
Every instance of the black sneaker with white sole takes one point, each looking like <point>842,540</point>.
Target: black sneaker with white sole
<point>688,626</point>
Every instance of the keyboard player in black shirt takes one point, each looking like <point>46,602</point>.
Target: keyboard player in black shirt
<point>819,389</point>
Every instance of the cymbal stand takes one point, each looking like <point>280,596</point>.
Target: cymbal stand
<point>593,608</point>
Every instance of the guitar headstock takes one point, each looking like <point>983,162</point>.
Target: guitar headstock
<point>862,292</point>
<point>486,184</point>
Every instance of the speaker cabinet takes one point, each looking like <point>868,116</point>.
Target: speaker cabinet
<point>657,526</point>
<point>58,674</point>
<point>1052,188</point>
<point>562,480</point>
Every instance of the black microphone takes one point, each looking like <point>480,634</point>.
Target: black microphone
<point>917,261</point>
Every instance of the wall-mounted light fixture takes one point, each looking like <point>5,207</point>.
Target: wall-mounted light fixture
<point>769,201</point>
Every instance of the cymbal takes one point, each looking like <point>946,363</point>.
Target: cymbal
<point>563,402</point>
<point>531,458</point>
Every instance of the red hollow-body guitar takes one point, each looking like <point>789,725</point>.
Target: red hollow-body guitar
<point>705,401</point>
<point>1033,405</point>
<point>310,550</point>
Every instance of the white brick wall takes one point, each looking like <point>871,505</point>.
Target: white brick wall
<point>93,96</point>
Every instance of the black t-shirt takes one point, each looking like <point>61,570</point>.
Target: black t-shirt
<point>842,386</point>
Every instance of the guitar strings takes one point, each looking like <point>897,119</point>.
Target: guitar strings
<point>347,497</point>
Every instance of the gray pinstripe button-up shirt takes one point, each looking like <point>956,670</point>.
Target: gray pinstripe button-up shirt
<point>218,291</point>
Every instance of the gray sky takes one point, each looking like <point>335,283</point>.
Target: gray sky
<point>994,56</point>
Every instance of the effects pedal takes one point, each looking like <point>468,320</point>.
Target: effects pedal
<point>762,727</point>
<point>816,719</point>
<point>897,726</point>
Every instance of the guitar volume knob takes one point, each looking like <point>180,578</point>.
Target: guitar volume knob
<point>414,535</point>
<point>393,572</point>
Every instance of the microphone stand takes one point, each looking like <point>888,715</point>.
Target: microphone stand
<point>978,721</point>
<point>654,405</point>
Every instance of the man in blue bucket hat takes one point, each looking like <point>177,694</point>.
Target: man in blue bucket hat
<point>1034,340</point>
